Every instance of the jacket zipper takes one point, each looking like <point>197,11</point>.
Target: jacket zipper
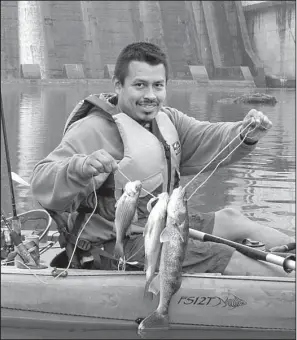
<point>168,158</point>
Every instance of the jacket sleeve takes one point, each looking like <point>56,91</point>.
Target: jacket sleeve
<point>202,141</point>
<point>58,182</point>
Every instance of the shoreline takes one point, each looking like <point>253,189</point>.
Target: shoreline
<point>49,82</point>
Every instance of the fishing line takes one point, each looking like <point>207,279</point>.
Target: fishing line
<point>30,269</point>
<point>131,263</point>
<point>78,236</point>
<point>220,153</point>
<point>121,172</point>
<point>218,165</point>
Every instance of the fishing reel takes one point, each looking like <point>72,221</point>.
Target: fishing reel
<point>7,246</point>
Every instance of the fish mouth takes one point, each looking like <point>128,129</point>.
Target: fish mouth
<point>181,192</point>
<point>133,188</point>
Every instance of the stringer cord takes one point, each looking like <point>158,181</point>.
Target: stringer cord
<point>218,165</point>
<point>219,153</point>
<point>121,172</point>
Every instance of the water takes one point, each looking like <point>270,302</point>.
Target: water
<point>262,185</point>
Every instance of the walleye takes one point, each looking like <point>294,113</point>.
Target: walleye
<point>152,231</point>
<point>175,239</point>
<point>126,212</point>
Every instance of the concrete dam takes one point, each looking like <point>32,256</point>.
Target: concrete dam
<point>203,39</point>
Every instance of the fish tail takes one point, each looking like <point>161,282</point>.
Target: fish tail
<point>155,321</point>
<point>147,294</point>
<point>119,250</point>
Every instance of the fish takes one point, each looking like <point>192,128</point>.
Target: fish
<point>152,231</point>
<point>126,212</point>
<point>175,239</point>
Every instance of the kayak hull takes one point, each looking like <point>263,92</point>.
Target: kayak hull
<point>112,297</point>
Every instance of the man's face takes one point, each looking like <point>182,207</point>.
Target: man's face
<point>143,92</point>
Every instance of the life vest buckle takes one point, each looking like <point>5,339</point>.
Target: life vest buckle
<point>84,244</point>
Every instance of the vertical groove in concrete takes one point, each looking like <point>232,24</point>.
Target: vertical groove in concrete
<point>208,11</point>
<point>137,25</point>
<point>202,37</point>
<point>10,64</point>
<point>49,36</point>
<point>92,55</point>
<point>115,28</point>
<point>31,36</point>
<point>173,15</point>
<point>194,41</point>
<point>245,36</point>
<point>234,31</point>
<point>150,16</point>
<point>281,22</point>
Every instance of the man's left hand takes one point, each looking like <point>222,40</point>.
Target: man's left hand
<point>259,126</point>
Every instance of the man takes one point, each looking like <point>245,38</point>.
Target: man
<point>133,132</point>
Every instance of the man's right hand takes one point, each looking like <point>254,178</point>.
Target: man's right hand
<point>99,161</point>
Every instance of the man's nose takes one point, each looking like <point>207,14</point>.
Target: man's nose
<point>150,94</point>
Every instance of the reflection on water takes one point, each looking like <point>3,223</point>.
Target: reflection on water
<point>262,185</point>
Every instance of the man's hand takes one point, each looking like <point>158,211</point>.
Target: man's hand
<point>99,161</point>
<point>260,124</point>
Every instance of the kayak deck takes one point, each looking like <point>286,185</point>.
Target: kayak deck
<point>204,300</point>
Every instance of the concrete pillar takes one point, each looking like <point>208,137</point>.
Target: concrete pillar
<point>10,65</point>
<point>92,54</point>
<point>152,22</point>
<point>150,16</point>
<point>32,46</point>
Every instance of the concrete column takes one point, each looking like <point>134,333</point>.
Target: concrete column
<point>152,22</point>
<point>92,55</point>
<point>150,16</point>
<point>10,65</point>
<point>32,46</point>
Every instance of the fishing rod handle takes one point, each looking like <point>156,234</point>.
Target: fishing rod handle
<point>288,263</point>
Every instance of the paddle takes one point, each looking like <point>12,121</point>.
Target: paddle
<point>287,263</point>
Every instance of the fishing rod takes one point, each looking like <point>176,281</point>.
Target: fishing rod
<point>15,228</point>
<point>288,263</point>
<point>15,220</point>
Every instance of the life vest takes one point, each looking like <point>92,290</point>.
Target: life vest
<point>152,159</point>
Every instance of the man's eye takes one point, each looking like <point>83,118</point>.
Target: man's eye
<point>159,85</point>
<point>139,85</point>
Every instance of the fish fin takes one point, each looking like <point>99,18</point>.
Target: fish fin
<point>147,294</point>
<point>154,286</point>
<point>165,236</point>
<point>135,217</point>
<point>180,235</point>
<point>149,205</point>
<point>129,231</point>
<point>145,230</point>
<point>155,321</point>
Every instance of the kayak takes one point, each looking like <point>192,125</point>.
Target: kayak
<point>115,298</point>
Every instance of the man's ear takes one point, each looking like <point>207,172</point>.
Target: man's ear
<point>116,84</point>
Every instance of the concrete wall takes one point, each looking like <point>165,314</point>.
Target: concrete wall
<point>92,33</point>
<point>9,40</point>
<point>271,27</point>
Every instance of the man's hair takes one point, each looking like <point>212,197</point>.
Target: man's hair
<point>139,51</point>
